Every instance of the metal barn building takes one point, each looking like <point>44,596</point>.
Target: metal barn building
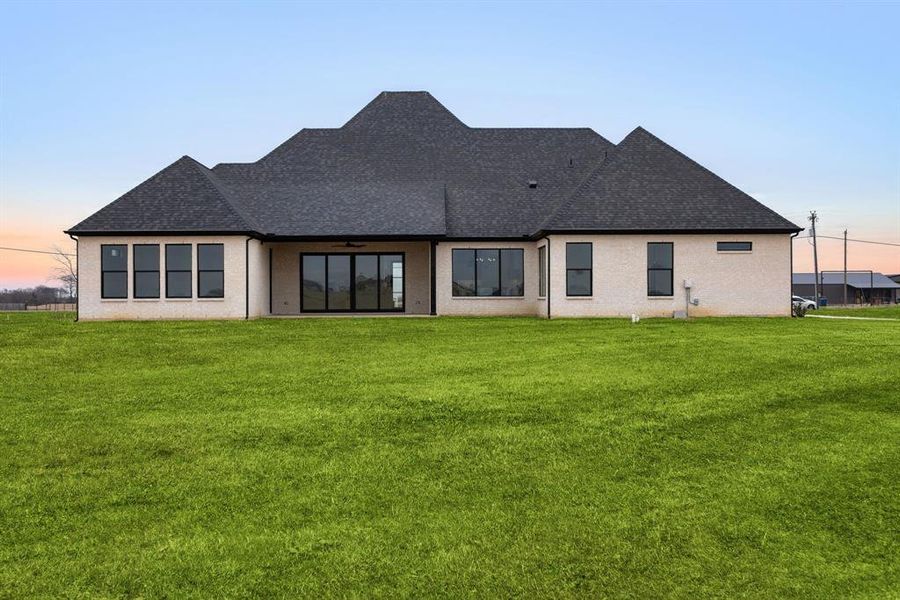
<point>862,287</point>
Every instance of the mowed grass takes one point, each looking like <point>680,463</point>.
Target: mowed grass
<point>450,458</point>
<point>887,311</point>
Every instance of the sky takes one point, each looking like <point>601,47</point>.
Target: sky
<point>796,104</point>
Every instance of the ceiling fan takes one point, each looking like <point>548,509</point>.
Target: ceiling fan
<point>348,245</point>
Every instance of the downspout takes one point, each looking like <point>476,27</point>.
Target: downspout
<point>77,277</point>
<point>548,277</point>
<point>270,280</point>
<point>793,235</point>
<point>247,279</point>
<point>433,278</point>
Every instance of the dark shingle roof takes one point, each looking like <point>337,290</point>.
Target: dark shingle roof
<point>185,196</point>
<point>645,184</point>
<point>406,166</point>
<point>348,208</point>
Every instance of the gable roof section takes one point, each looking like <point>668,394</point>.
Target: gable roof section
<point>405,166</point>
<point>183,197</point>
<point>646,185</point>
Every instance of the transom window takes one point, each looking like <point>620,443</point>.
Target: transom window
<point>579,267</point>
<point>210,270</point>
<point>178,271</point>
<point>660,260</point>
<point>734,246</point>
<point>489,272</point>
<point>146,270</point>
<point>113,271</point>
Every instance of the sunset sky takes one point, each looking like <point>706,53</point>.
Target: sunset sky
<point>798,105</point>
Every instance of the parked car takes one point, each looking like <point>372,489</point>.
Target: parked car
<point>803,302</point>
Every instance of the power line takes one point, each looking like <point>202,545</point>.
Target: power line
<point>35,251</point>
<point>831,237</point>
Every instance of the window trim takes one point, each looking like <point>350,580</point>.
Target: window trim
<point>747,250</point>
<point>191,271</point>
<point>135,271</point>
<point>499,272</point>
<point>222,270</point>
<point>671,271</point>
<point>542,271</point>
<point>353,308</point>
<point>103,271</point>
<point>590,270</point>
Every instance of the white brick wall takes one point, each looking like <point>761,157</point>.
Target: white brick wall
<point>754,283</point>
<point>91,306</point>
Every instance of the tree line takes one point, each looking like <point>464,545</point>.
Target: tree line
<point>34,296</point>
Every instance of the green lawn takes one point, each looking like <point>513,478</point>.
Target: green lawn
<point>450,457</point>
<point>887,311</point>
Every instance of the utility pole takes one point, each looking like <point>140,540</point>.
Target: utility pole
<point>845,267</point>
<point>812,219</point>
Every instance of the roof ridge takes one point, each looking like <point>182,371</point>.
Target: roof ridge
<point>279,146</point>
<point>217,186</point>
<point>544,129</point>
<point>534,129</point>
<point>589,179</point>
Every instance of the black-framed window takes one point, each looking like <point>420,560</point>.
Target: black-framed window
<point>579,268</point>
<point>146,270</point>
<point>660,261</point>
<point>734,246</point>
<point>488,272</point>
<point>178,271</point>
<point>542,271</point>
<point>360,282</point>
<point>114,271</point>
<point>210,270</point>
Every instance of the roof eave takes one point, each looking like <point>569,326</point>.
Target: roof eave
<point>76,232</point>
<point>669,231</point>
<point>352,237</point>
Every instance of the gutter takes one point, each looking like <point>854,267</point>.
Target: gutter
<point>77,276</point>
<point>543,233</point>
<point>548,277</point>
<point>253,234</point>
<point>270,280</point>
<point>247,278</point>
<point>433,265</point>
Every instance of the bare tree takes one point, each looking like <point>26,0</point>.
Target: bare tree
<point>66,270</point>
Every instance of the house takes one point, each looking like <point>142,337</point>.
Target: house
<point>863,287</point>
<point>405,209</point>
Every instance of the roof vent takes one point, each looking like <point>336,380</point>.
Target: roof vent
<point>571,162</point>
<point>532,183</point>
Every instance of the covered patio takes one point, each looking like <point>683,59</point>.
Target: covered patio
<point>351,277</point>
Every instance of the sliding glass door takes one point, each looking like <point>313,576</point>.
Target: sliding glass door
<point>352,282</point>
<point>366,282</point>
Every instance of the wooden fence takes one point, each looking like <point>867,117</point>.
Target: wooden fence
<point>58,307</point>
